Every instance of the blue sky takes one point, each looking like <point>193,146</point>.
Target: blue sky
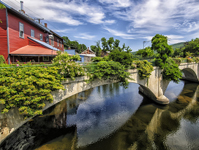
<point>130,21</point>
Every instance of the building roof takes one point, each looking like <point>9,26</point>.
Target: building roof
<point>29,50</point>
<point>43,44</point>
<point>89,55</point>
<point>29,19</point>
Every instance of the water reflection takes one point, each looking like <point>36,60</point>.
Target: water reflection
<point>110,117</point>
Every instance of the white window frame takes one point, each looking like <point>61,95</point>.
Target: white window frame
<point>21,30</point>
<point>61,43</point>
<point>52,41</point>
<point>32,33</point>
<point>57,42</point>
<point>41,37</point>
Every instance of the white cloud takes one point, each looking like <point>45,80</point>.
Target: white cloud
<point>109,22</point>
<point>85,36</point>
<point>158,15</point>
<point>187,26</point>
<point>119,33</point>
<point>117,3</point>
<point>65,30</point>
<point>70,12</point>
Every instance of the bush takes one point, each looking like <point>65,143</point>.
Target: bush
<point>177,60</point>
<point>27,88</point>
<point>144,69</point>
<point>97,59</point>
<point>196,59</point>
<point>2,60</point>
<point>189,60</point>
<point>67,67</point>
<point>171,71</point>
<point>111,70</point>
<point>132,66</point>
<point>123,58</point>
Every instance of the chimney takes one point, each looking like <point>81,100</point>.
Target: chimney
<point>22,7</point>
<point>45,24</point>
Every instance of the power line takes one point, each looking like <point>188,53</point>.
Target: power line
<point>33,13</point>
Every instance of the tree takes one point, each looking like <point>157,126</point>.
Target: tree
<point>104,44</point>
<point>122,57</point>
<point>146,52</point>
<point>73,45</point>
<point>67,42</point>
<point>116,43</point>
<point>97,49</point>
<point>192,47</point>
<point>159,44</point>
<point>178,52</point>
<point>170,68</point>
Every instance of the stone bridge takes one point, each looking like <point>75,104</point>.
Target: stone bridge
<point>153,87</point>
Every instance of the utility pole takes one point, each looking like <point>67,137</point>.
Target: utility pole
<point>144,43</point>
<point>39,19</point>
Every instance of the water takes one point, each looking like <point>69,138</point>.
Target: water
<point>110,117</point>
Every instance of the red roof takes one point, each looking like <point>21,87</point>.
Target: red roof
<point>33,50</point>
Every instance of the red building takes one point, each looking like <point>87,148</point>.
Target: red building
<point>24,39</point>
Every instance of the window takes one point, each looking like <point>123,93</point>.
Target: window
<point>61,44</point>
<point>52,41</point>
<point>32,33</point>
<point>45,58</point>
<point>57,43</point>
<point>21,30</point>
<point>41,37</point>
<point>47,39</point>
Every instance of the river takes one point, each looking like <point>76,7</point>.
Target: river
<point>110,117</point>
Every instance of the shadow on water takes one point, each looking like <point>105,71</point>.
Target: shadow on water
<point>110,117</point>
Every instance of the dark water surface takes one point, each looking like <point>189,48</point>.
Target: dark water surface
<point>110,117</point>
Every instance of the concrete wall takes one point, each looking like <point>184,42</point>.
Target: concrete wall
<point>13,120</point>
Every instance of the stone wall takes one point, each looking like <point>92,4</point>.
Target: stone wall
<point>13,120</point>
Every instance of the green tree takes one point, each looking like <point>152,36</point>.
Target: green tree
<point>122,57</point>
<point>97,49</point>
<point>73,45</point>
<point>178,52</point>
<point>116,43</point>
<point>67,42</point>
<point>159,44</point>
<point>170,68</point>
<point>146,52</point>
<point>192,47</point>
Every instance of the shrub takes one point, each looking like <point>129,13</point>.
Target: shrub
<point>27,88</point>
<point>67,67</point>
<point>97,59</point>
<point>189,60</point>
<point>123,57</point>
<point>2,60</point>
<point>171,71</point>
<point>177,60</point>
<point>144,69</point>
<point>132,66</point>
<point>111,70</point>
<point>196,59</point>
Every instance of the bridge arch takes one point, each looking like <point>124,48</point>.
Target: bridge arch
<point>189,74</point>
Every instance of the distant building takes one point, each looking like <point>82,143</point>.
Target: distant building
<point>70,51</point>
<point>86,55</point>
<point>105,53</point>
<point>24,39</point>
